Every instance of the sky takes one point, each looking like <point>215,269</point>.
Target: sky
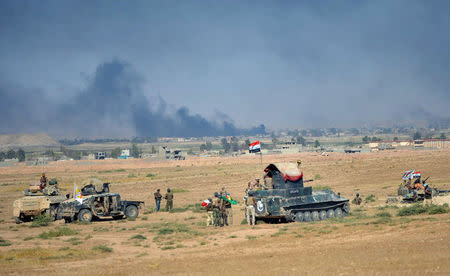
<point>195,68</point>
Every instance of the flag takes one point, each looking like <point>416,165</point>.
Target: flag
<point>206,202</point>
<point>254,147</point>
<point>77,194</point>
<point>229,199</point>
<point>416,174</point>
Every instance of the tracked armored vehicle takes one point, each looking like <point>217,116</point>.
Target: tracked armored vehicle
<point>38,202</point>
<point>287,199</point>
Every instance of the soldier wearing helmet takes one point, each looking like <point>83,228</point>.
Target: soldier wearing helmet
<point>357,200</point>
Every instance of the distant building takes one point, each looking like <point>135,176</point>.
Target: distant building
<point>125,154</point>
<point>100,155</point>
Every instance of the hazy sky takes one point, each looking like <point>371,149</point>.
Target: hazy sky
<point>278,63</point>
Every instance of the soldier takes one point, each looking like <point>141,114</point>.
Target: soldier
<point>250,204</point>
<point>357,200</point>
<point>209,213</point>
<point>222,212</point>
<point>228,213</point>
<point>158,197</point>
<point>169,200</point>
<point>43,183</point>
<point>216,209</point>
<point>428,195</point>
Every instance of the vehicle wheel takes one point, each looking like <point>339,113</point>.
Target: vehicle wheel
<point>323,215</point>
<point>315,216</point>
<point>346,208</point>
<point>338,212</point>
<point>299,216</point>
<point>85,215</point>
<point>131,211</point>
<point>330,213</point>
<point>118,217</point>
<point>307,216</point>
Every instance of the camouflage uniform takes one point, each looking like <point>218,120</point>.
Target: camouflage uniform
<point>250,203</point>
<point>216,209</point>
<point>169,200</point>
<point>357,200</point>
<point>228,213</point>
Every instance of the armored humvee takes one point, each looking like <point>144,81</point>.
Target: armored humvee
<point>97,204</point>
<point>287,199</point>
<point>37,202</point>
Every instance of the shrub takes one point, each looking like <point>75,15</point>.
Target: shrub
<point>57,232</point>
<point>244,221</point>
<point>102,248</point>
<point>150,175</point>
<point>411,210</point>
<point>437,209</point>
<point>41,220</point>
<point>383,215</point>
<point>138,237</point>
<point>4,242</point>
<point>317,176</point>
<point>370,198</point>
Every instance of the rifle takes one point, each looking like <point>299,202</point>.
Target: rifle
<point>423,182</point>
<point>309,180</point>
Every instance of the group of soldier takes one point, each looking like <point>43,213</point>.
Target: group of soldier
<point>218,211</point>
<point>168,197</point>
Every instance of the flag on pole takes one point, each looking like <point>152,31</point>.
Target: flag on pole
<point>254,147</point>
<point>206,202</point>
<point>77,193</point>
<point>229,199</point>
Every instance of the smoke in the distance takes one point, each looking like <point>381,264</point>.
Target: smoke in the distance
<point>111,105</point>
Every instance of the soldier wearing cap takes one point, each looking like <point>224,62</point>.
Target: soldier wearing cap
<point>357,200</point>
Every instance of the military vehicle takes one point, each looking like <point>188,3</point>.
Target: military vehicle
<point>286,199</point>
<point>97,204</point>
<point>38,202</point>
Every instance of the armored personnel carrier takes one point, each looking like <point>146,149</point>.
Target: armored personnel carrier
<point>286,198</point>
<point>38,202</point>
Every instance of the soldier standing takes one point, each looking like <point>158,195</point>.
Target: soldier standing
<point>209,213</point>
<point>158,198</point>
<point>169,200</point>
<point>250,203</point>
<point>428,195</point>
<point>216,209</point>
<point>228,213</point>
<point>357,200</point>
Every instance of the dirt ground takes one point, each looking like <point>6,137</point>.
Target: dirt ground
<point>373,239</point>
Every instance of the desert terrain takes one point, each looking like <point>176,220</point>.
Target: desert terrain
<point>373,239</point>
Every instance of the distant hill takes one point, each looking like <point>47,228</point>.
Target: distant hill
<point>27,140</point>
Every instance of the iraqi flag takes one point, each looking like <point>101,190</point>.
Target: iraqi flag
<point>206,202</point>
<point>254,147</point>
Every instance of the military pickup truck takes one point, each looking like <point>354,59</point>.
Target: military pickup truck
<point>97,204</point>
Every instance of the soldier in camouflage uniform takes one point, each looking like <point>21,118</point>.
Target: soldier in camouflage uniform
<point>169,200</point>
<point>216,209</point>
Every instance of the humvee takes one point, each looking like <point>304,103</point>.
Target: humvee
<point>97,204</point>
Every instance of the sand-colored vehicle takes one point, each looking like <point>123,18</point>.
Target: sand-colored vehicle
<point>97,204</point>
<point>37,202</point>
<point>287,199</point>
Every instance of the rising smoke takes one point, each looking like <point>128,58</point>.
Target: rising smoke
<point>112,105</point>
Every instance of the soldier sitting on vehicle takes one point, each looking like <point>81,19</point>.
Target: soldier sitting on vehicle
<point>357,200</point>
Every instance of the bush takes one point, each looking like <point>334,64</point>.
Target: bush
<point>102,248</point>
<point>383,215</point>
<point>370,198</point>
<point>437,209</point>
<point>150,175</point>
<point>411,210</point>
<point>244,221</point>
<point>41,220</point>
<point>57,232</point>
<point>4,242</point>
<point>138,237</point>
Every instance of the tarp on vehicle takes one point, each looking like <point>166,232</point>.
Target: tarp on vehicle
<point>289,171</point>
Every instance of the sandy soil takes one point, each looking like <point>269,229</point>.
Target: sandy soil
<point>365,242</point>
